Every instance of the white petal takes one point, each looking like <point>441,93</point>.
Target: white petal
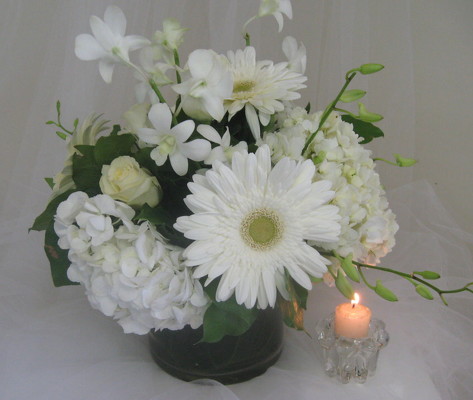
<point>196,150</point>
<point>214,106</point>
<point>183,130</point>
<point>87,48</point>
<point>161,117</point>
<point>209,133</point>
<point>149,135</point>
<point>200,63</point>
<point>179,163</point>
<point>253,121</point>
<point>106,70</point>
<point>134,42</point>
<point>102,33</point>
<point>115,19</point>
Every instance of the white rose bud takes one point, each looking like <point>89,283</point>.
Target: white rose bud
<point>126,181</point>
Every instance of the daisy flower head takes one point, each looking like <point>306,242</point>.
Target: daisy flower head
<point>260,87</point>
<point>108,43</point>
<point>250,223</point>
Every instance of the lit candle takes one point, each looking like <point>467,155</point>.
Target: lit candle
<point>352,320</point>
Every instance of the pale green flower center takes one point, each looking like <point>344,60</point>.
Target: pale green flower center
<point>243,86</point>
<point>167,145</point>
<point>261,229</point>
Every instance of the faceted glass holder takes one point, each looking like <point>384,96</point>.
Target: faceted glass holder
<point>347,358</point>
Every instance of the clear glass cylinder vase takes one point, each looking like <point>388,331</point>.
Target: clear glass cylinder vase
<point>231,360</point>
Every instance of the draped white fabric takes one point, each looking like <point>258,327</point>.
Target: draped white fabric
<point>54,346</point>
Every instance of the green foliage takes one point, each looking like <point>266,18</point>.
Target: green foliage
<point>57,257</point>
<point>225,317</point>
<point>43,221</point>
<point>86,172</point>
<point>50,182</point>
<point>366,130</point>
<point>345,287</point>
<point>384,292</point>
<point>110,147</point>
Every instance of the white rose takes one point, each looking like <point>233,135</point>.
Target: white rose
<point>124,180</point>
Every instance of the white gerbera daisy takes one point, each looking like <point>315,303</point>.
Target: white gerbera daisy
<point>260,87</point>
<point>251,222</point>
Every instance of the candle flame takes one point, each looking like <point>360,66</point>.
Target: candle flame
<point>356,300</point>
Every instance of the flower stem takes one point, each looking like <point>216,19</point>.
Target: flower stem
<point>412,277</point>
<point>386,161</point>
<point>329,109</point>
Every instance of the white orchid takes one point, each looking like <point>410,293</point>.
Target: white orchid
<point>171,140</point>
<point>296,55</point>
<point>108,43</point>
<point>276,8</point>
<point>155,71</point>
<point>225,151</point>
<point>172,35</point>
<point>273,7</point>
<point>209,84</point>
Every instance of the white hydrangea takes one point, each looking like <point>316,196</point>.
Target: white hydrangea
<point>368,225</point>
<point>129,272</point>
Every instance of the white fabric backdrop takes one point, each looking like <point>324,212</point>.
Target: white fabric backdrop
<point>54,346</point>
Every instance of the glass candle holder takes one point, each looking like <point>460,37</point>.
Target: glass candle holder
<point>347,358</point>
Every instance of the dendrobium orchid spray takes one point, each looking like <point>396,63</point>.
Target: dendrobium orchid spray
<point>230,198</point>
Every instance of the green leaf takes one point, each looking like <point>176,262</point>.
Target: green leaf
<point>57,257</point>
<point>42,222</point>
<point>342,284</point>
<point>384,292</point>
<point>352,95</point>
<point>86,173</point>
<point>404,162</point>
<point>110,147</point>
<point>225,317</point>
<point>50,182</point>
<point>307,107</point>
<point>62,135</point>
<point>427,274</point>
<point>350,269</point>
<point>424,292</point>
<point>366,130</point>
<point>157,216</point>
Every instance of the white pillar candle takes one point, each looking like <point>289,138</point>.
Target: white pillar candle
<point>352,320</point>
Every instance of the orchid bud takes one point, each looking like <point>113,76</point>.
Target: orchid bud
<point>404,162</point>
<point>367,116</point>
<point>352,95</point>
<point>367,69</point>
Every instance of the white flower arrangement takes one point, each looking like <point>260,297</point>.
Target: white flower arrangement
<point>231,195</point>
